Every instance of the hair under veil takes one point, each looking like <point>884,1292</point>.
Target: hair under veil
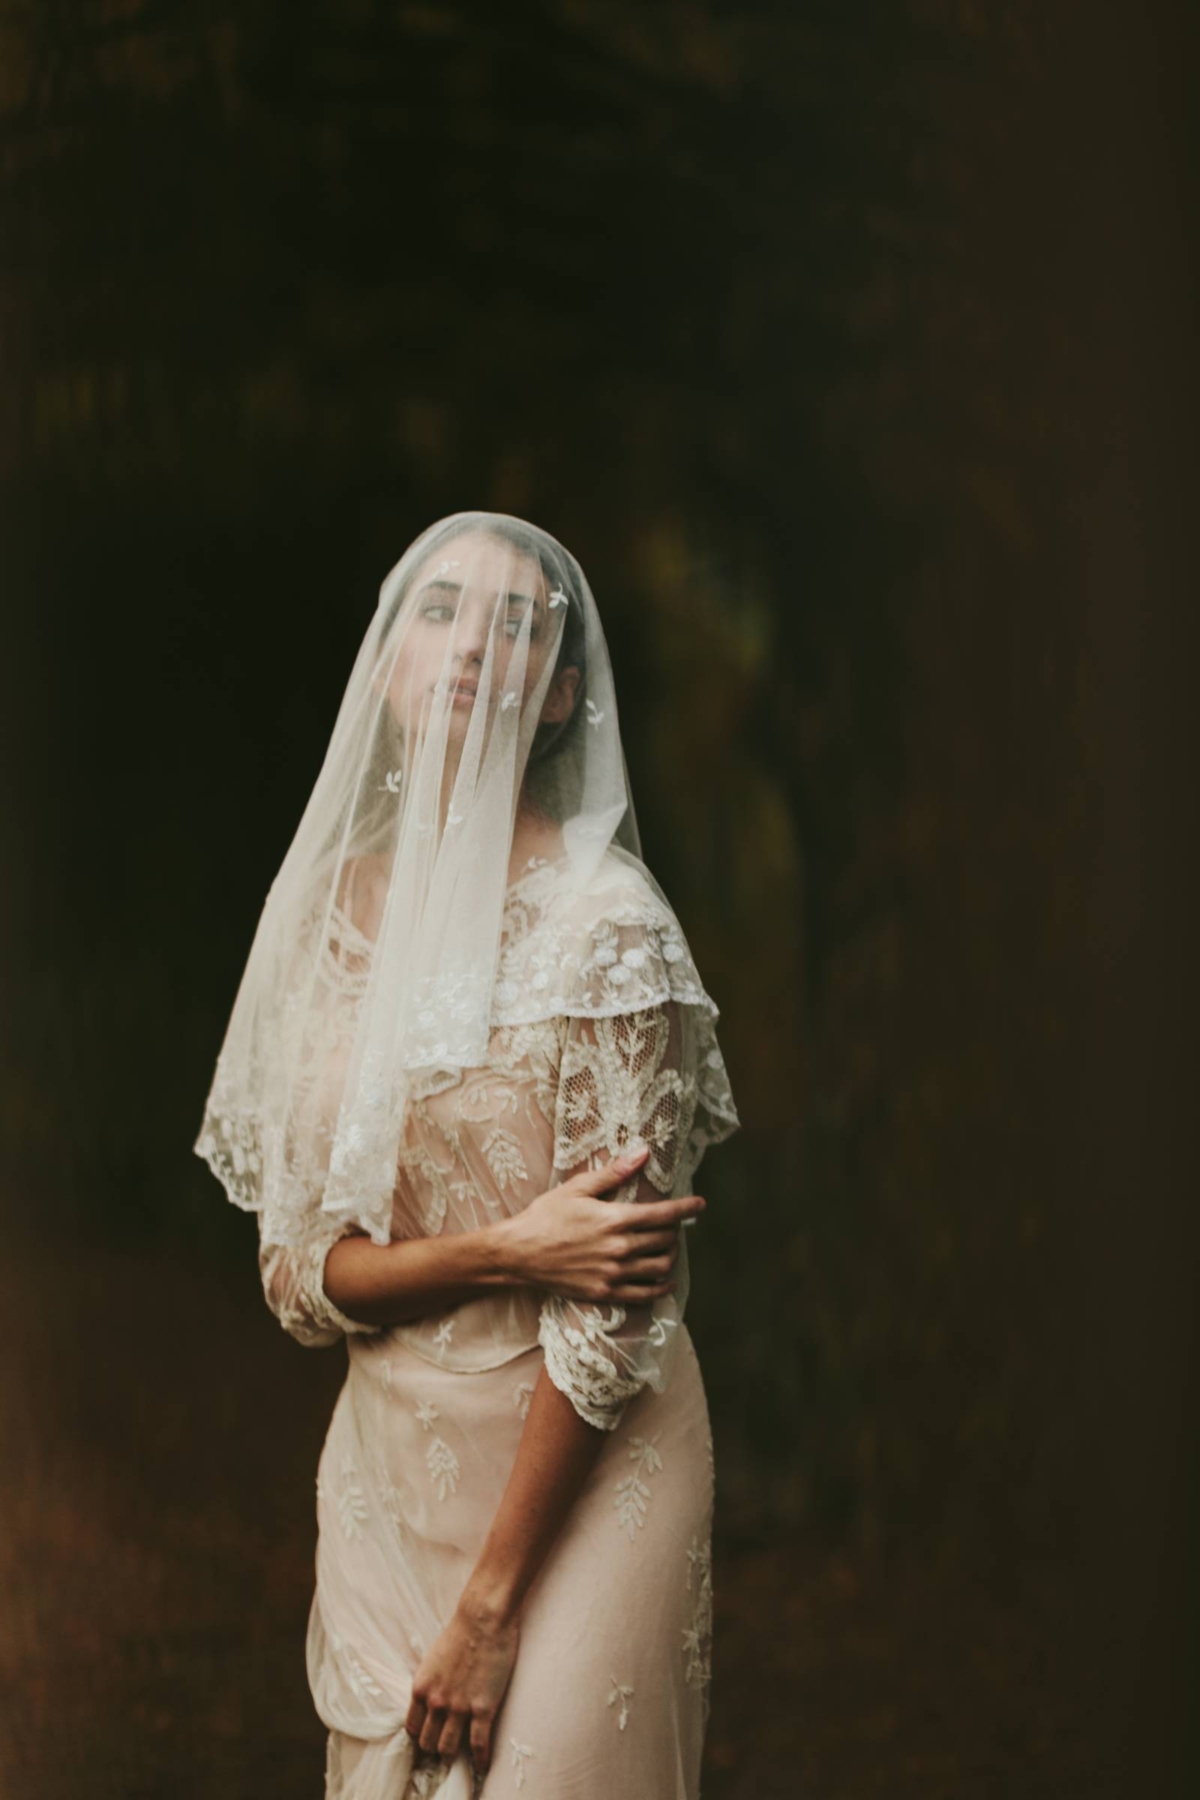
<point>385,956</point>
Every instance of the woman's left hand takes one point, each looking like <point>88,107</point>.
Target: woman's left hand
<point>460,1682</point>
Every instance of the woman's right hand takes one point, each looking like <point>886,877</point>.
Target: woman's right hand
<point>584,1248</point>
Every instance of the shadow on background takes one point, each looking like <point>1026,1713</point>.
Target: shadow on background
<point>846,348</point>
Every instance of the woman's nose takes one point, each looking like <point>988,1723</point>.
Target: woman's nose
<point>471,631</point>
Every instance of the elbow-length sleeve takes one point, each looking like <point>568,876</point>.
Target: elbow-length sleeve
<point>654,1074</point>
<point>293,1282</point>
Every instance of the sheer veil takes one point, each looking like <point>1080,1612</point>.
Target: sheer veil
<point>479,720</point>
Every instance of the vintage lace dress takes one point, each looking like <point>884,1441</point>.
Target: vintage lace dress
<point>609,1694</point>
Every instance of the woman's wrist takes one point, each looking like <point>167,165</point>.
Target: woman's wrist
<point>491,1599</point>
<point>503,1253</point>
<point>556,1454</point>
<point>411,1278</point>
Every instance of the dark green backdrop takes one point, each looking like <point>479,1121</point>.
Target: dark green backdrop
<point>828,337</point>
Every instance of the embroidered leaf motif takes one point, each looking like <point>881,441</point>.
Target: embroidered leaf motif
<point>620,1696</point>
<point>352,1505</point>
<point>427,1412</point>
<point>503,1152</point>
<point>428,1181</point>
<point>443,1334</point>
<point>486,1099</point>
<point>632,1496</point>
<point>522,1395</point>
<point>443,1467</point>
<point>658,1327</point>
<point>520,1755</point>
<point>362,1683</point>
<point>393,1504</point>
<point>632,1492</point>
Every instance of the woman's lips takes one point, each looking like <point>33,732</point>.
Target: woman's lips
<point>459,693</point>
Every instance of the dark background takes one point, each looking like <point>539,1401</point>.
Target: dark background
<point>848,347</point>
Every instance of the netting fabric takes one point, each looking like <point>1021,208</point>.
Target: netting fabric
<point>477,743</point>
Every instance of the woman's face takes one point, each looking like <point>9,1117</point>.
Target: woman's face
<point>472,586</point>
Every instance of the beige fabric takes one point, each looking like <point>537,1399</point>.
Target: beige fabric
<point>610,1691</point>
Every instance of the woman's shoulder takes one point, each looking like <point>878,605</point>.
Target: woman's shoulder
<point>622,891</point>
<point>608,943</point>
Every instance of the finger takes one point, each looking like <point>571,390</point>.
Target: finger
<point>654,1215</point>
<point>431,1731</point>
<point>415,1717</point>
<point>649,1268</point>
<point>612,1173</point>
<point>481,1743</point>
<point>640,1294</point>
<point>651,1243</point>
<point>452,1731</point>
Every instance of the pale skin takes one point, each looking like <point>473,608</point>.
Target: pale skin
<point>568,1241</point>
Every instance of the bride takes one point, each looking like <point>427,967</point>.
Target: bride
<point>468,1077</point>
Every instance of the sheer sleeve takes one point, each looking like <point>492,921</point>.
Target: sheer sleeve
<point>623,1078</point>
<point>293,1281</point>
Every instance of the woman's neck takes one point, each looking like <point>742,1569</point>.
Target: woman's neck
<point>533,835</point>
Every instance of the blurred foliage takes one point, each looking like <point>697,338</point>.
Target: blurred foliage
<point>766,312</point>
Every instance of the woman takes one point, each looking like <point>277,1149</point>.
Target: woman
<point>468,1077</point>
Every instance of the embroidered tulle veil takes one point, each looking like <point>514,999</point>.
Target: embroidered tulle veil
<point>482,690</point>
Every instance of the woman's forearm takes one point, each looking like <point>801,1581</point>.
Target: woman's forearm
<point>555,1456</point>
<point>569,1241</point>
<point>390,1284</point>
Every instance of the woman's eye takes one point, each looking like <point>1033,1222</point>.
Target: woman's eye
<point>438,606</point>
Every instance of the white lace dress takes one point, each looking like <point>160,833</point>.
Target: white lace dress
<point>609,1694</point>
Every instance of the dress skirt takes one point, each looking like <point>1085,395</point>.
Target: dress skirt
<point>609,1692</point>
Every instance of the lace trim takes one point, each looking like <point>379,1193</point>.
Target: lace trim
<point>311,1295</point>
<point>621,1079</point>
<point>553,959</point>
<point>630,954</point>
<point>582,1362</point>
<point>612,1088</point>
